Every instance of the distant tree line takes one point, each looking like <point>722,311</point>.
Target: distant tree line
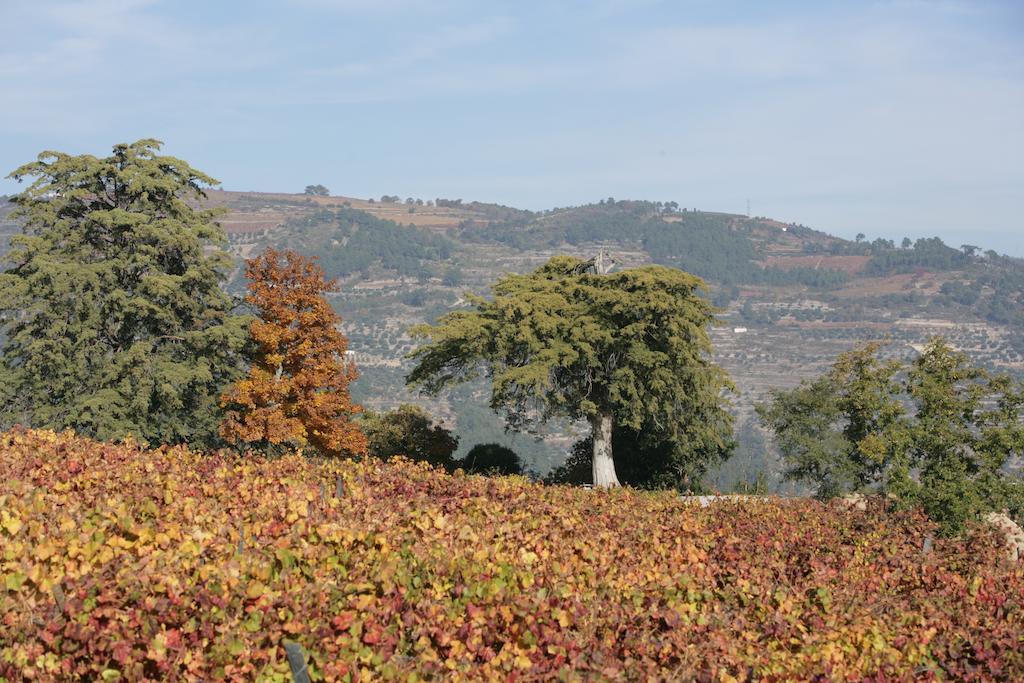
<point>930,253</point>
<point>996,293</point>
<point>368,242</point>
<point>705,245</point>
<point>709,245</point>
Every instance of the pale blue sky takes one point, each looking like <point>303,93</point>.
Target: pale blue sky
<point>889,118</point>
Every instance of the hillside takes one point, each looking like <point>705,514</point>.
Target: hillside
<point>127,564</point>
<point>793,297</point>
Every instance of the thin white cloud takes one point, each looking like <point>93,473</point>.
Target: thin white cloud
<point>125,36</point>
<point>93,16</point>
<point>374,6</point>
<point>823,49</point>
<point>65,53</point>
<point>431,45</point>
<point>807,51</point>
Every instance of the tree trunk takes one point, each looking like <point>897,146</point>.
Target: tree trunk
<point>604,466</point>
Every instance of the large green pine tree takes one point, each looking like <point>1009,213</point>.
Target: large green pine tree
<point>114,318</point>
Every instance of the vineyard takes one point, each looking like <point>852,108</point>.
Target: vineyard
<point>122,563</point>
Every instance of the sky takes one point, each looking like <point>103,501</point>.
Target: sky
<point>892,119</point>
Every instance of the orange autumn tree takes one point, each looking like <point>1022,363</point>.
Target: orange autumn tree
<point>296,393</point>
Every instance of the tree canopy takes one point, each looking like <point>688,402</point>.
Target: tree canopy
<point>629,348</point>
<point>841,431</point>
<point>112,307</point>
<point>492,459</point>
<point>937,432</point>
<point>296,392</point>
<point>408,430</point>
<point>366,242</point>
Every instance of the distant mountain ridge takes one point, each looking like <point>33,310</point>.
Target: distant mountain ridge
<point>728,250</point>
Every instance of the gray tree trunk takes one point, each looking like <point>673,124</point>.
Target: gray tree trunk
<point>604,466</point>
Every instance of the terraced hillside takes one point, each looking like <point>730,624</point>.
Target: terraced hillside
<point>792,297</point>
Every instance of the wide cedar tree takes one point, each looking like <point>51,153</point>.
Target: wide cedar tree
<point>113,318</point>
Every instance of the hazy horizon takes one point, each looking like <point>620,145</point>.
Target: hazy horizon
<point>894,119</point>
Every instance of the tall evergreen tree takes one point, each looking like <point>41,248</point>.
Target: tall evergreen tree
<point>113,315</point>
<point>624,349</point>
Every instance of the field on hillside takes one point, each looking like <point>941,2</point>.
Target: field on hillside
<point>123,563</point>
